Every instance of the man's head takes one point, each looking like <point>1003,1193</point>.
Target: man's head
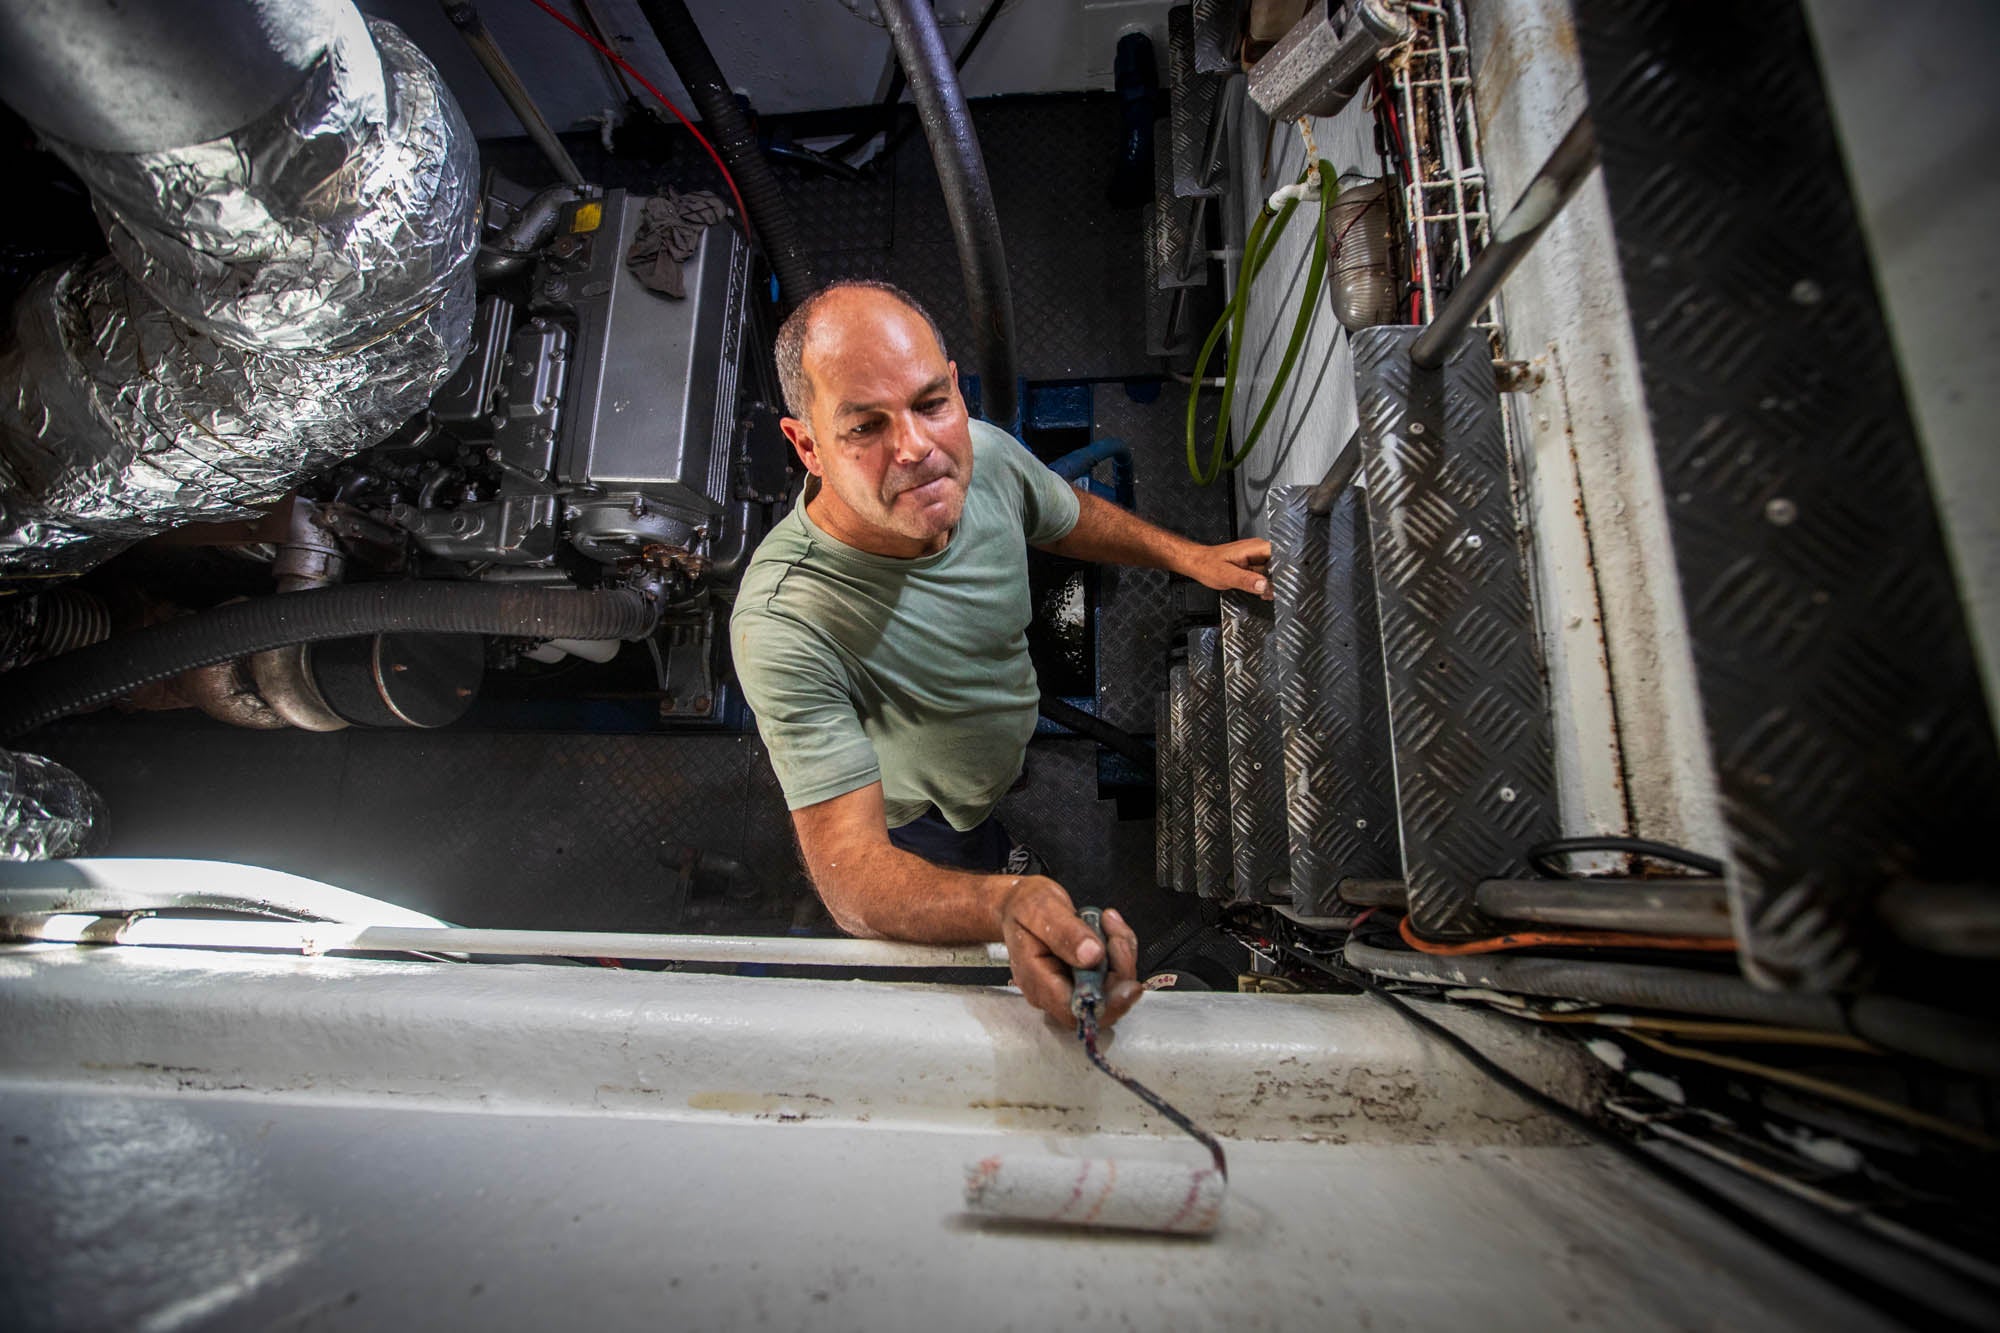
<point>877,417</point>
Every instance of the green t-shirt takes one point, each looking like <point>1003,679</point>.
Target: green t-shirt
<point>914,671</point>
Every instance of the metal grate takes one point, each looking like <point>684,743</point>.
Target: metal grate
<point>1437,124</point>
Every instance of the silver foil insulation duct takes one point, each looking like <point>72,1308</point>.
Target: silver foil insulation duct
<point>276,299</point>
<point>46,811</point>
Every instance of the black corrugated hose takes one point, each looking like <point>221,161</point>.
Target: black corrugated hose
<point>59,686</point>
<point>737,142</point>
<point>968,199</point>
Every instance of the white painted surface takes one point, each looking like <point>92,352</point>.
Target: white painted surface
<point>1912,96</point>
<point>789,55</point>
<point>571,1040</point>
<point>1628,727</point>
<point>407,1145</point>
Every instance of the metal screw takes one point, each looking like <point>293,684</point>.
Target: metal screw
<point>1361,823</point>
<point>1472,541</point>
<point>1779,511</point>
<point>1416,428</point>
<point>1507,794</point>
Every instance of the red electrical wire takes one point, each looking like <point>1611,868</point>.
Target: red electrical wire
<point>1565,939</point>
<point>618,60</point>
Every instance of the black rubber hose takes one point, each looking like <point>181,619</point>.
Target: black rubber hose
<point>59,686</point>
<point>968,198</point>
<point>1095,728</point>
<point>770,215</point>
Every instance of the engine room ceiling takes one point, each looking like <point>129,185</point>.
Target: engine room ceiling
<point>788,55</point>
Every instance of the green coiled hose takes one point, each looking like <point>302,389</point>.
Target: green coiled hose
<point>1257,250</point>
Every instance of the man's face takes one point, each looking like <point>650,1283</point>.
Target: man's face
<point>889,436</point>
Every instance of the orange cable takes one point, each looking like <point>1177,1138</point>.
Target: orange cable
<point>1566,939</point>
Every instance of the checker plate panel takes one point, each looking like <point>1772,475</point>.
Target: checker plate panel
<point>1260,857</point>
<point>1326,652</point>
<point>1207,746</point>
<point>1850,735</point>
<point>1468,701</point>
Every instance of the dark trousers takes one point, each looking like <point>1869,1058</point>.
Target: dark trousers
<point>982,849</point>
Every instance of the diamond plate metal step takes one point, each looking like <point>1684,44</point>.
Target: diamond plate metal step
<point>1170,233</point>
<point>1208,763</point>
<point>1260,856</point>
<point>1194,100</point>
<point>1325,654</point>
<point>1180,779</point>
<point>1468,702</point>
<point>1850,735</point>
<point>1215,35</point>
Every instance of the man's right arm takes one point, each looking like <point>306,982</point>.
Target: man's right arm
<point>876,890</point>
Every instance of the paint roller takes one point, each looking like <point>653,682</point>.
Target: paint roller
<point>1104,1191</point>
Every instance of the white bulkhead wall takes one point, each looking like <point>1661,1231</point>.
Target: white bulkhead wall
<point>789,55</point>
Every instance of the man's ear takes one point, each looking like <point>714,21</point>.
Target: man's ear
<point>800,434</point>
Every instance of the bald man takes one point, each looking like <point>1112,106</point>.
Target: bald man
<point>880,636</point>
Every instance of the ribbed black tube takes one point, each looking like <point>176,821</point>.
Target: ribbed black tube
<point>737,143</point>
<point>968,198</point>
<point>39,694</point>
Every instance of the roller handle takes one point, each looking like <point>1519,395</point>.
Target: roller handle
<point>1088,982</point>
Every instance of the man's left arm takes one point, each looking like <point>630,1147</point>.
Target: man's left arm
<point>1107,534</point>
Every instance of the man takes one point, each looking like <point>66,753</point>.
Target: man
<point>880,637</point>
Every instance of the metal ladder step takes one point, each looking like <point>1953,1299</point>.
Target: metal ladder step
<point>1194,102</point>
<point>1468,701</point>
<point>1260,850</point>
<point>1207,746</point>
<point>1176,772</point>
<point>1325,653</point>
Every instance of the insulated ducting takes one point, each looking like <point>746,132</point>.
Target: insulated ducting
<point>277,298</point>
<point>46,811</point>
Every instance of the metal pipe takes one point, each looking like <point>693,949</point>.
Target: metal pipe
<point>968,198</point>
<point>499,69</point>
<point>1079,463</point>
<point>1319,500</point>
<point>1390,893</point>
<point>1695,907</point>
<point>1539,203</point>
<point>1960,920</point>
<point>333,937</point>
<point>143,75</point>
<point>518,243</point>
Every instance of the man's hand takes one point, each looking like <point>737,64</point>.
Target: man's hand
<point>1238,566</point>
<point>1045,938</point>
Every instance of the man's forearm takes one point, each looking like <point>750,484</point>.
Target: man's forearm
<point>884,892</point>
<point>1106,534</point>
